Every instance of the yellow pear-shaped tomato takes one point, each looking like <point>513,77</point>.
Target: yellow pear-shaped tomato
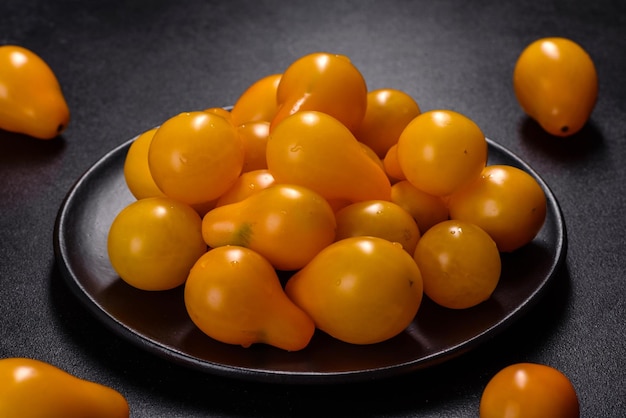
<point>324,82</point>
<point>378,218</point>
<point>194,157</point>
<point>360,290</point>
<point>36,389</point>
<point>556,84</point>
<point>315,150</point>
<point>234,295</point>
<point>31,100</point>
<point>286,224</point>
<point>258,103</point>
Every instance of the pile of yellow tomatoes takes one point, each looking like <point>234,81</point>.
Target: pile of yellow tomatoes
<point>357,199</point>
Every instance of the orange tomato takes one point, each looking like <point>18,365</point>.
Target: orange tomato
<point>31,100</point>
<point>234,295</point>
<point>194,157</point>
<point>315,150</point>
<point>506,202</point>
<point>136,170</point>
<point>378,218</point>
<point>258,101</point>
<point>247,184</point>
<point>220,111</point>
<point>392,165</point>
<point>287,224</point>
<point>153,242</point>
<point>528,390</point>
<point>36,389</point>
<point>556,83</point>
<point>387,114</point>
<point>460,264</point>
<point>254,136</point>
<point>427,210</point>
<point>360,290</point>
<point>441,150</point>
<point>323,82</point>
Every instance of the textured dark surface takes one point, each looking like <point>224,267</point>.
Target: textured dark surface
<point>125,66</point>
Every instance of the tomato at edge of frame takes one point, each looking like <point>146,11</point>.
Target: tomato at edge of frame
<point>529,390</point>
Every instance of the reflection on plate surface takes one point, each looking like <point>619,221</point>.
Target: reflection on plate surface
<point>158,321</point>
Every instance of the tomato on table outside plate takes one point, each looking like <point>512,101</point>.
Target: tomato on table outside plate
<point>528,390</point>
<point>556,84</point>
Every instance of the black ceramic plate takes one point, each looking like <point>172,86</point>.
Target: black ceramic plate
<point>158,322</point>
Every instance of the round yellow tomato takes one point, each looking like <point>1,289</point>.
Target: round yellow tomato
<point>528,390</point>
<point>427,210</point>
<point>556,83</point>
<point>440,151</point>
<point>378,218</point>
<point>506,202</point>
<point>387,114</point>
<point>460,264</point>
<point>258,102</point>
<point>322,82</point>
<point>234,296</point>
<point>194,157</point>
<point>153,242</point>
<point>360,290</point>
<point>136,170</point>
